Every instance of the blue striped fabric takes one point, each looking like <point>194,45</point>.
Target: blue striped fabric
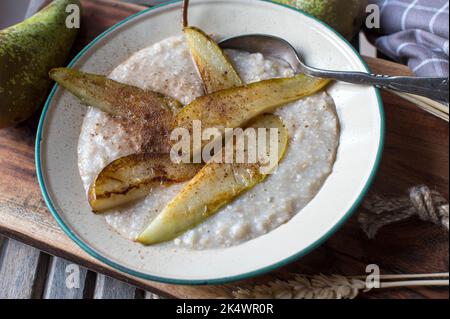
<point>415,32</point>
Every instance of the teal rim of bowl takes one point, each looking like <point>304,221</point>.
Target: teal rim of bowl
<point>222,280</point>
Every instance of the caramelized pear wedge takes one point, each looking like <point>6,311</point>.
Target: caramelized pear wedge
<point>132,177</point>
<point>150,113</point>
<point>214,67</point>
<point>116,98</point>
<point>235,107</point>
<point>214,186</point>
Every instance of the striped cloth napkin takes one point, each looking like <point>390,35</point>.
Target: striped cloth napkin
<point>415,32</point>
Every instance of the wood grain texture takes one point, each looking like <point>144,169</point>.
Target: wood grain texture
<point>22,271</point>
<point>2,241</point>
<point>416,152</point>
<point>109,288</point>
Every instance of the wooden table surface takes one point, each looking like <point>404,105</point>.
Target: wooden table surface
<point>416,152</point>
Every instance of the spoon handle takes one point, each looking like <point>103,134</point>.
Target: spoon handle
<point>431,87</point>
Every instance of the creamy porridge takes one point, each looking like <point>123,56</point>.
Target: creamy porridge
<point>167,67</point>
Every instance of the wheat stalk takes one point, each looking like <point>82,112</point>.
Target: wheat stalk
<point>437,109</point>
<point>306,287</point>
<point>330,287</point>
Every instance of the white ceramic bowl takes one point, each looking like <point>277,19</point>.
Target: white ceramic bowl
<point>360,114</point>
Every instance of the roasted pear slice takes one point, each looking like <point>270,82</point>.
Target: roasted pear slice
<point>149,112</point>
<point>131,177</point>
<point>235,107</point>
<point>214,186</point>
<point>115,98</point>
<point>214,67</point>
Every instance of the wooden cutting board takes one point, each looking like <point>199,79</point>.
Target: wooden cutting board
<point>416,152</point>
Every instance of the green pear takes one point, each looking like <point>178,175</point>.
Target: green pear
<point>345,16</point>
<point>28,50</point>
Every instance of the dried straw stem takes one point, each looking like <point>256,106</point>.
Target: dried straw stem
<point>426,104</point>
<point>332,287</point>
<point>185,13</point>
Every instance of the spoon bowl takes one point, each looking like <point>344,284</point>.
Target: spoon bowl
<point>267,45</point>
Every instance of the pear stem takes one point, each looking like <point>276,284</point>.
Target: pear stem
<point>185,13</point>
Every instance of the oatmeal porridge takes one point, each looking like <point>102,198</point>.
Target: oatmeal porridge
<point>167,67</point>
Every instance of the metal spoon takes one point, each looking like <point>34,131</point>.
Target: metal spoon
<point>434,88</point>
